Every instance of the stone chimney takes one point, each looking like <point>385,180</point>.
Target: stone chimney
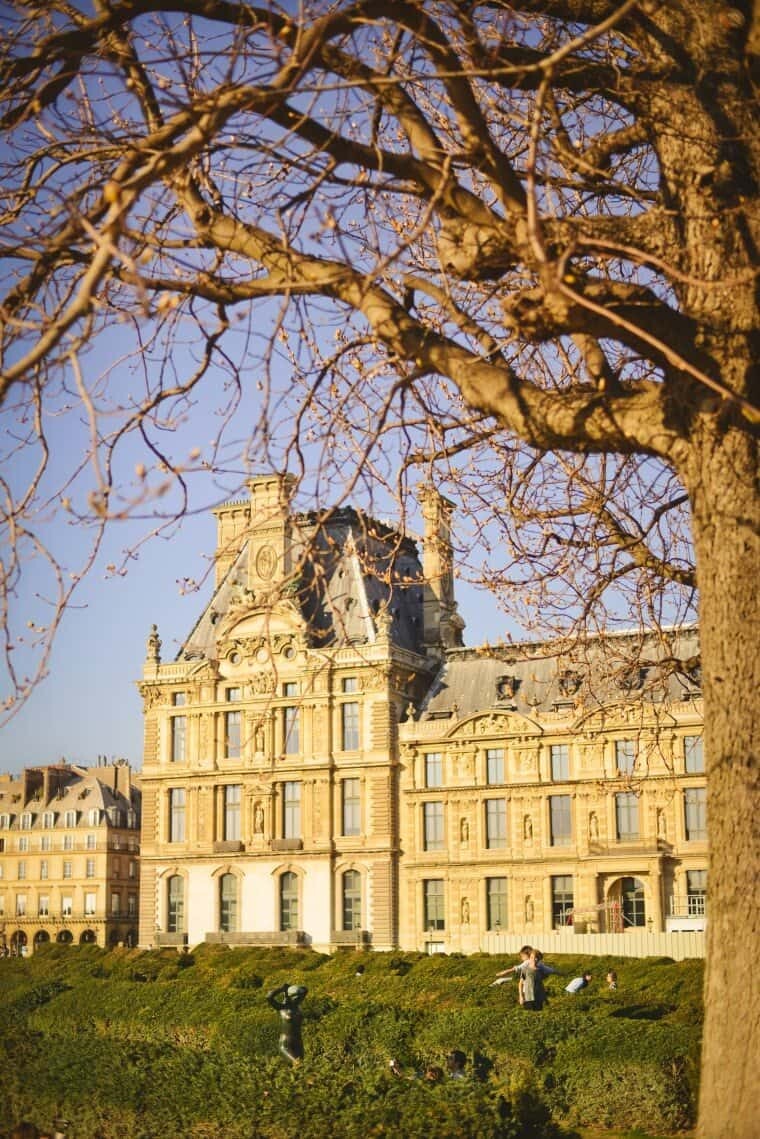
<point>270,540</point>
<point>442,625</point>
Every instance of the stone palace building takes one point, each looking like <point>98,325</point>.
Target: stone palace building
<point>325,764</point>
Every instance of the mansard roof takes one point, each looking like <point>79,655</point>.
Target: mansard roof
<point>357,575</point>
<point>541,677</point>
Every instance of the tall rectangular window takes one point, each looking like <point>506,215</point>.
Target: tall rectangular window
<point>44,869</point>
<point>627,816</point>
<point>68,842</point>
<point>20,905</point>
<point>179,736</point>
<point>177,814</point>
<point>432,895</point>
<point>115,904</point>
<point>351,807</point>
<point>67,905</point>
<point>90,868</point>
<point>352,900</point>
<point>625,756</point>
<point>562,899</point>
<point>291,810</point>
<point>43,905</point>
<point>494,765</point>
<point>288,901</point>
<point>67,869</point>
<point>496,903</point>
<point>560,760</point>
<point>349,684</point>
<point>89,904</point>
<point>349,726</point>
<point>232,733</point>
<point>175,905</point>
<point>228,903</point>
<point>232,800</point>
<point>496,823</point>
<point>22,870</point>
<point>132,905</point>
<point>432,814</point>
<point>560,825</point>
<point>433,769</point>
<point>45,843</point>
<point>291,721</point>
<point>91,842</point>
<point>23,844</point>
<point>696,892</point>
<point>695,813</point>
<point>693,753</point>
<point>179,699</point>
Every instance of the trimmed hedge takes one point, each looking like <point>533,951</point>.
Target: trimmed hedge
<point>134,1045</point>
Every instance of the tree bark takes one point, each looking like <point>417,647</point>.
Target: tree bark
<point>726,522</point>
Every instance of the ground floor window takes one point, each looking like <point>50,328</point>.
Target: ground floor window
<point>633,903</point>
<point>562,899</point>
<point>496,903</point>
<point>433,904</point>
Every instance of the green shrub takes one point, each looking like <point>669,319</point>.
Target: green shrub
<point>140,1044</point>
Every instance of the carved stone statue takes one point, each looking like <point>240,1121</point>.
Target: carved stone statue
<point>528,828</point>
<point>286,1000</point>
<point>529,909</point>
<point>662,825</point>
<point>258,819</point>
<point>593,826</point>
<point>464,832</point>
<point>153,645</point>
<point>465,912</point>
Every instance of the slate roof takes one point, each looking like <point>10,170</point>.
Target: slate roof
<point>357,568</point>
<point>537,678</point>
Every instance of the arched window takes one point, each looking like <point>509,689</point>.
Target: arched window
<point>228,903</point>
<point>288,901</point>
<point>352,900</point>
<point>175,910</point>
<point>632,898</point>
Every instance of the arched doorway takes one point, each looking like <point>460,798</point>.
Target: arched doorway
<point>88,937</point>
<point>65,937</point>
<point>19,943</point>
<point>40,937</point>
<point>629,894</point>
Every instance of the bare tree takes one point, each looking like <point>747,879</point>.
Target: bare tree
<point>509,246</point>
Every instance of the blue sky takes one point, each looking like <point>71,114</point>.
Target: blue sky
<point>89,705</point>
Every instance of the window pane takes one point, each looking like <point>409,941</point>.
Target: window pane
<point>291,801</point>
<point>433,769</point>
<point>288,901</point>
<point>350,726</point>
<point>351,807</point>
<point>228,903</point>
<point>349,684</point>
<point>352,900</point>
<point>634,906</point>
<point>560,757</point>
<point>562,899</point>
<point>232,800</point>
<point>177,814</point>
<point>179,734</point>
<point>433,823</point>
<point>290,728</point>
<point>433,902</point>
<point>627,816</point>
<point>494,765</point>
<point>232,724</point>
<point>559,820</point>
<point>693,755</point>
<point>695,809</point>
<point>175,922</point>
<point>496,823</point>
<point>696,892</point>
<point>625,756</point>
<point>496,903</point>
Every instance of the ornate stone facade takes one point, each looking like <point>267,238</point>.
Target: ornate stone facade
<point>325,764</point>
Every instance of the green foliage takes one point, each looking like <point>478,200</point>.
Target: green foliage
<point>140,1044</point>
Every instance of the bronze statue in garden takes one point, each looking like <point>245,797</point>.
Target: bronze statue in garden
<point>286,1000</point>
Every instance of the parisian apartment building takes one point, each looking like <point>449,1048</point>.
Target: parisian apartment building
<point>326,764</point>
<point>69,856</point>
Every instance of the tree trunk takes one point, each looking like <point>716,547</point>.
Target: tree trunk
<point>726,520</point>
